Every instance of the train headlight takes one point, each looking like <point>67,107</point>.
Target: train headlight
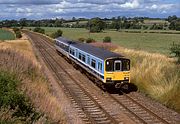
<point>126,78</point>
<point>108,78</point>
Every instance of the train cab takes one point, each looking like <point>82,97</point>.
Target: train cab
<point>117,71</point>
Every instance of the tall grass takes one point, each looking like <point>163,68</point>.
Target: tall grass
<point>156,75</point>
<point>33,85</point>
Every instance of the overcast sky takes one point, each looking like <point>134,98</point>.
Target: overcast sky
<point>41,9</point>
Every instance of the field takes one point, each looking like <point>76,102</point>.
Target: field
<point>151,42</point>
<point>6,35</point>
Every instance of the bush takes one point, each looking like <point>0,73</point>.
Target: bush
<point>175,49</point>
<point>81,39</point>
<point>39,30</point>
<point>11,97</point>
<point>15,29</point>
<point>17,32</point>
<point>90,40</point>
<point>107,39</point>
<point>56,34</point>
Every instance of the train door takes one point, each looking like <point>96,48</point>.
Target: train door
<point>88,59</point>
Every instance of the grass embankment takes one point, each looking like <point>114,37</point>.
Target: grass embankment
<point>22,82</point>
<point>6,35</point>
<point>155,75</point>
<point>151,42</point>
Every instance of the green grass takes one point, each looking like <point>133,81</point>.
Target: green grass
<point>6,35</point>
<point>151,42</point>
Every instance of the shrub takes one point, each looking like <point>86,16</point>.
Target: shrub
<point>15,29</point>
<point>56,34</point>
<point>107,39</point>
<point>39,30</point>
<point>17,32</point>
<point>175,49</point>
<point>81,39</point>
<point>90,40</point>
<point>11,97</point>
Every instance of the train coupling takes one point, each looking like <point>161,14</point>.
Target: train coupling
<point>118,85</point>
<point>122,85</point>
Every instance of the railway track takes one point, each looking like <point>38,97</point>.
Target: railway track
<point>88,107</point>
<point>89,110</point>
<point>143,114</point>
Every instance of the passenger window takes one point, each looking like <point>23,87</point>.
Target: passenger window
<point>83,58</point>
<point>72,51</point>
<point>117,66</point>
<point>93,63</point>
<point>80,56</point>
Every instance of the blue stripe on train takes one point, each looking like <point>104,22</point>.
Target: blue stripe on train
<point>102,77</point>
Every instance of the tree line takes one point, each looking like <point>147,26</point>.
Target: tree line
<point>98,24</point>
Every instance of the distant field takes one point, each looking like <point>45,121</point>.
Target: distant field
<point>151,42</point>
<point>6,35</point>
<point>155,21</point>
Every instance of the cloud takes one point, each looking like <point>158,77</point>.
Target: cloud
<point>35,2</point>
<point>131,4</point>
<point>86,8</point>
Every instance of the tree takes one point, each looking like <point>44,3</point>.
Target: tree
<point>23,22</point>
<point>172,18</point>
<point>56,34</point>
<point>39,30</point>
<point>96,25</point>
<point>116,25</point>
<point>73,19</point>
<point>58,23</point>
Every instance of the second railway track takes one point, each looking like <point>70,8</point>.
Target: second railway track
<point>88,106</point>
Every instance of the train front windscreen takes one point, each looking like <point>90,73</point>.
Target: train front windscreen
<point>117,65</point>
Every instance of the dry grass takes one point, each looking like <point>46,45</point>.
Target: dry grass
<point>17,57</point>
<point>156,75</point>
<point>33,84</point>
<point>22,45</point>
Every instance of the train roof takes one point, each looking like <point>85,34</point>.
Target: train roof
<point>92,50</point>
<point>64,40</point>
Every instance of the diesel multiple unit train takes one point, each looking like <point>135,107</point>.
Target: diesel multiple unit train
<point>107,67</point>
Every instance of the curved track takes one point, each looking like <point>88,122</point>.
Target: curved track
<point>88,107</point>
